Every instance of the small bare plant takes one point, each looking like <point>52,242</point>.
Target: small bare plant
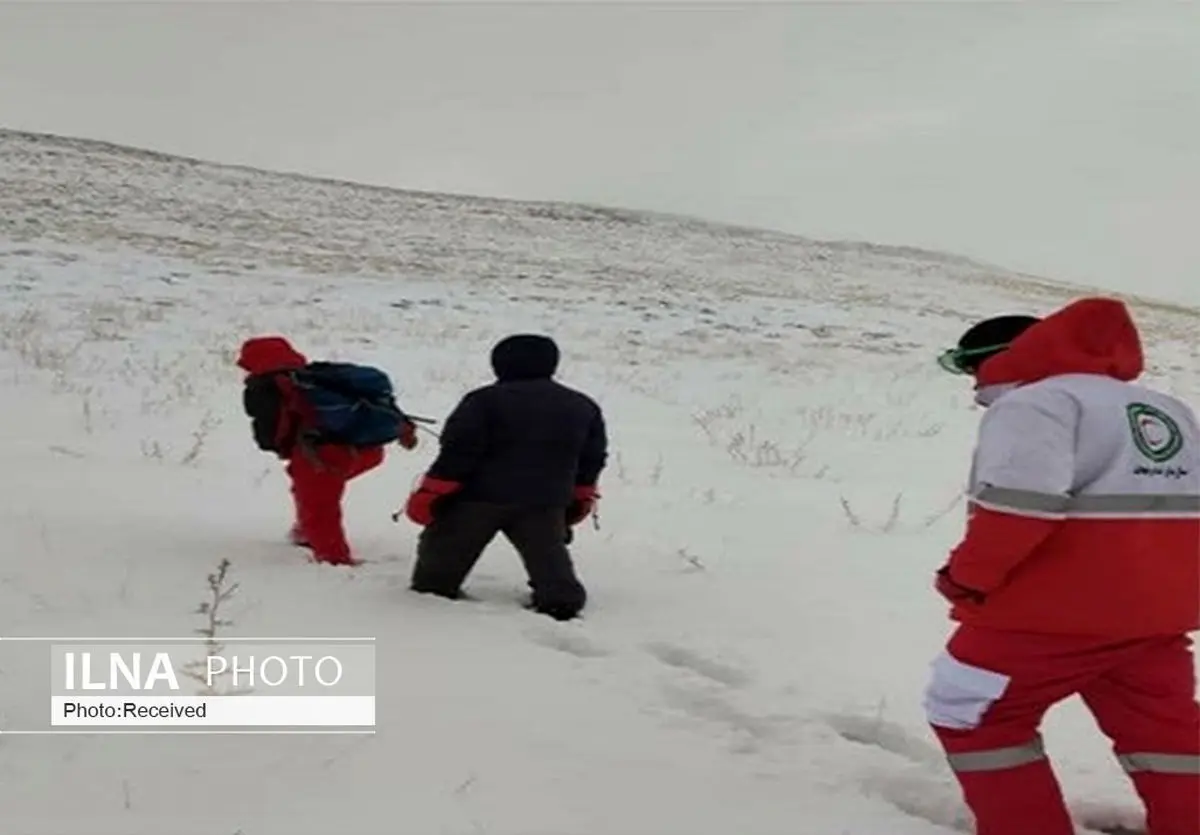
<point>443,375</point>
<point>705,422</point>
<point>166,385</point>
<point>219,591</point>
<point>934,518</point>
<point>893,514</point>
<point>873,426</point>
<point>207,424</point>
<point>747,448</point>
<point>88,421</point>
<point>152,449</point>
<point>744,445</point>
<point>657,471</point>
<point>692,561</point>
<point>892,522</point>
<point>888,525</point>
<point>931,431</point>
<point>851,516</point>
<point>106,322</point>
<point>619,464</point>
<point>707,419</point>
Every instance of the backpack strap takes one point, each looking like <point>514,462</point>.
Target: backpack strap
<point>296,415</point>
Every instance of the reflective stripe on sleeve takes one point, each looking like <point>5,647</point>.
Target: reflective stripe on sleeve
<point>1160,763</point>
<point>997,759</point>
<point>1023,502</point>
<point>1102,506</point>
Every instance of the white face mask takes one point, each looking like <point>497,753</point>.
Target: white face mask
<point>987,395</point>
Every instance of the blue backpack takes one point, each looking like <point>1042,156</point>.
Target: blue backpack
<point>350,404</point>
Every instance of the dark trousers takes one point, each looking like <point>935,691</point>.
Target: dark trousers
<point>449,547</point>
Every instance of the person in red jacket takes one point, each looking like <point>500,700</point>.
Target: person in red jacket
<point>1079,572</point>
<point>319,472</point>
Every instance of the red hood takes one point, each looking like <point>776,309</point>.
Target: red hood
<point>269,353</point>
<point>1088,336</point>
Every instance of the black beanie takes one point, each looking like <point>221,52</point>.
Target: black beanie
<point>985,339</point>
<point>525,356</point>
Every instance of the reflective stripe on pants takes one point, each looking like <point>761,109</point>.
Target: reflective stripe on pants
<point>1143,761</point>
<point>1141,693</point>
<point>997,759</point>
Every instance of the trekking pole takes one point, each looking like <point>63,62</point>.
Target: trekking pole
<point>398,514</point>
<point>422,424</point>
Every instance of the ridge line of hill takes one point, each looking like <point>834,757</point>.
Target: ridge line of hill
<point>617,213</point>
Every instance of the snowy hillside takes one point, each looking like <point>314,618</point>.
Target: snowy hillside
<point>786,475</point>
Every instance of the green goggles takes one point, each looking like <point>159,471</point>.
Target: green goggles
<point>957,360</point>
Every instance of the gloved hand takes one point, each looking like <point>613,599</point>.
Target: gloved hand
<point>408,435</point>
<point>582,504</point>
<point>422,503</point>
<point>948,588</point>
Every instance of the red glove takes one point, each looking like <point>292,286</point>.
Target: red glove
<point>582,504</point>
<point>421,504</point>
<point>408,435</point>
<point>952,591</point>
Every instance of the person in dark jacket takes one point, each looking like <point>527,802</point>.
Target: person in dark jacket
<point>320,473</point>
<point>521,457</point>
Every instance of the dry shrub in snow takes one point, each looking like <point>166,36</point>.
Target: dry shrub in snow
<point>219,591</point>
<point>892,522</point>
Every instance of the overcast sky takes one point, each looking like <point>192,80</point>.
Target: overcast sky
<point>1062,139</point>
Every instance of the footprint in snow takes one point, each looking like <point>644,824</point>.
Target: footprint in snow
<point>938,801</point>
<point>685,659</point>
<point>886,736</point>
<point>571,643</point>
<point>920,795</point>
<point>67,451</point>
<point>750,732</point>
<point>927,789</point>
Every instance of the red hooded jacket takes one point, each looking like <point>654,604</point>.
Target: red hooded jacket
<point>270,400</point>
<point>1084,512</point>
<point>263,354</point>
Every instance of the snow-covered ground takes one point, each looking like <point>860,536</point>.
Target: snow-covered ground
<point>786,474</point>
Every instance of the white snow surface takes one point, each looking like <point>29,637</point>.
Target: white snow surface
<point>786,473</point>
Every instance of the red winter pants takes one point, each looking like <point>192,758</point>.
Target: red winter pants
<point>319,477</point>
<point>990,690</point>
